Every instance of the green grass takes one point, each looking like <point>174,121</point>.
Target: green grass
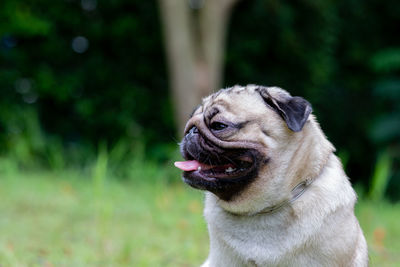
<point>380,223</point>
<point>68,218</point>
<point>53,219</point>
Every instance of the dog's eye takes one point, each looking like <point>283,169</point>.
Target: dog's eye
<point>218,126</point>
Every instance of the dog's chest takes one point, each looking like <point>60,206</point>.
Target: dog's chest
<point>256,242</point>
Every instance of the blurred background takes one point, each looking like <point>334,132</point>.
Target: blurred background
<point>94,96</point>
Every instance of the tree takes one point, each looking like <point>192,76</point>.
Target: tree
<point>194,33</point>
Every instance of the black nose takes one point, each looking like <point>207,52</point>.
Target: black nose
<point>193,130</point>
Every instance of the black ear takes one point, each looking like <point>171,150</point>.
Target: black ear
<point>294,110</point>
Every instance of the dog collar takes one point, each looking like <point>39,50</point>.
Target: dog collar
<point>296,192</point>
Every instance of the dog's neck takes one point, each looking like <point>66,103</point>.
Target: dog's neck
<point>296,192</point>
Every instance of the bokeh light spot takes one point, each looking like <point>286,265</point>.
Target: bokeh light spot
<point>23,85</point>
<point>89,5</point>
<point>30,98</point>
<point>80,44</point>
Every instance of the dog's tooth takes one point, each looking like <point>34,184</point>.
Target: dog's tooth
<point>230,169</point>
<point>199,168</point>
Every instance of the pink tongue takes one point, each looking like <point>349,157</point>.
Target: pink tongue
<point>190,165</point>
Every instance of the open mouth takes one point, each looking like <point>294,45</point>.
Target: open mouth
<point>224,171</point>
<point>224,175</point>
<point>230,169</point>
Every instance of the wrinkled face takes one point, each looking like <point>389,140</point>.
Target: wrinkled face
<point>228,139</point>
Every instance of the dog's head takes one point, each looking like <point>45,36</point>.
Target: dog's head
<point>241,144</point>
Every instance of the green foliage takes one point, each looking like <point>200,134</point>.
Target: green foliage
<point>107,91</point>
<point>100,169</point>
<point>385,127</point>
<point>25,140</point>
<point>381,176</point>
<point>21,19</point>
<point>386,60</point>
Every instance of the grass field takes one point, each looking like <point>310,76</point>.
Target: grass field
<point>70,218</point>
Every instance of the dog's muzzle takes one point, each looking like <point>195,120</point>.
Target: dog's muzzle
<point>208,166</point>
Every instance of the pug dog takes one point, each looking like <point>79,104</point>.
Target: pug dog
<point>276,193</point>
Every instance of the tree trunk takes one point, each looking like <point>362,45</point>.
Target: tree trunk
<point>195,48</point>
